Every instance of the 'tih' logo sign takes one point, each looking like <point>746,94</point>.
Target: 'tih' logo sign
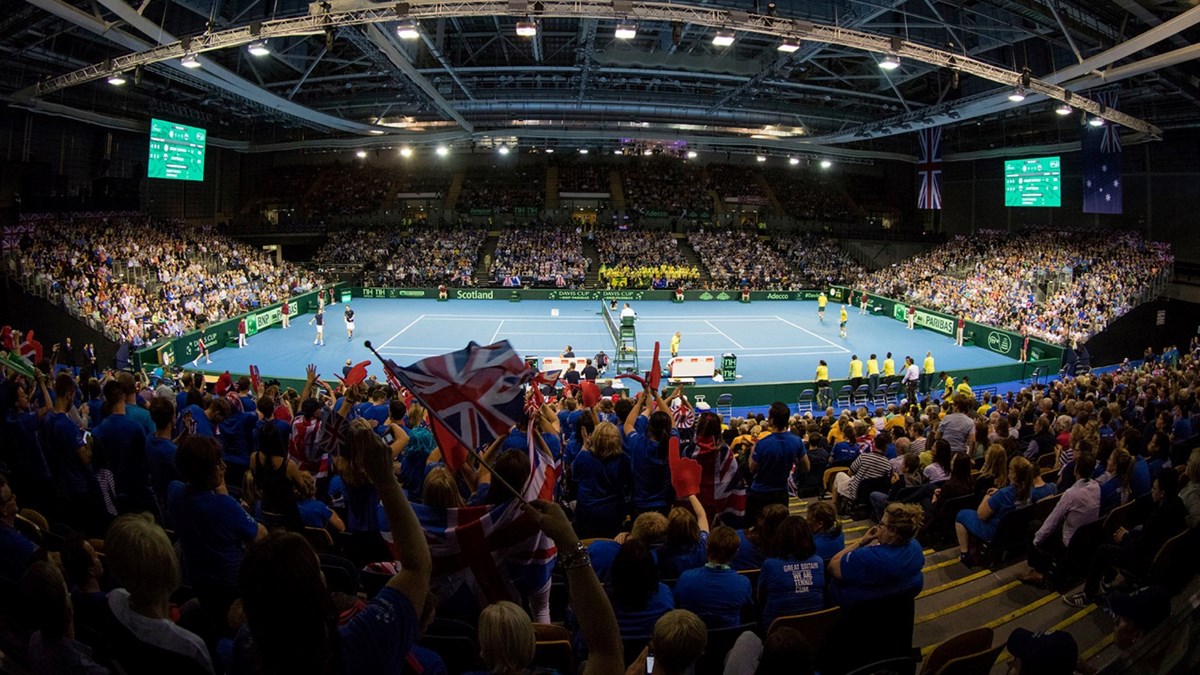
<point>999,342</point>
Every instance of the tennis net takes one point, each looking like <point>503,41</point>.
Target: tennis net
<point>614,328</point>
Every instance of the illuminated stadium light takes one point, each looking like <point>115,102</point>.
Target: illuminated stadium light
<point>1064,109</point>
<point>189,61</point>
<point>526,29</point>
<point>890,62</point>
<point>376,132</point>
<point>625,31</point>
<point>1017,96</point>
<point>692,154</point>
<point>116,79</point>
<point>258,48</point>
<point>618,151</point>
<point>583,151</point>
<point>789,46</point>
<point>793,161</point>
<point>503,150</point>
<point>723,38</point>
<point>406,152</point>
<point>1096,121</point>
<point>407,30</point>
<point>442,151</point>
<point>549,151</point>
<point>761,158</point>
<point>825,164</point>
<point>361,154</point>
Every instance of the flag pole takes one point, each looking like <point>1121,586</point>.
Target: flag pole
<point>472,451</point>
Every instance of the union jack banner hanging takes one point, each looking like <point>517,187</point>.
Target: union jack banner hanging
<point>929,168</point>
<point>1110,142</point>
<point>12,234</point>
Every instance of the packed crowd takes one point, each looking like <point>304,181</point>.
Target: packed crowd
<point>540,254</point>
<point>583,178</point>
<point>348,190</point>
<point>502,191</point>
<point>732,181</point>
<point>817,262</point>
<point>666,185</point>
<point>808,196</point>
<point>742,259</point>
<point>174,528</point>
<point>643,258</point>
<point>999,274</point>
<point>396,256</point>
<point>140,280</point>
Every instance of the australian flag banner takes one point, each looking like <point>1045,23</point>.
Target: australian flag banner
<point>929,168</point>
<point>1102,163</point>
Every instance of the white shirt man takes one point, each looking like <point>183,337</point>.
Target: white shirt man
<point>627,312</point>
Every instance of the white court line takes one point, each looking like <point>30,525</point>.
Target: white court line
<point>410,325</point>
<point>735,342</point>
<point>493,340</point>
<point>492,317</point>
<point>738,319</point>
<point>551,350</point>
<point>841,349</point>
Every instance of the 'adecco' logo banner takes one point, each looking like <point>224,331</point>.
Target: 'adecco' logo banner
<point>940,324</point>
<point>999,342</point>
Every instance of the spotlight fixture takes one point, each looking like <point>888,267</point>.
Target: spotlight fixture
<point>361,154</point>
<point>406,151</point>
<point>442,151</point>
<point>771,9</point>
<point>1096,121</point>
<point>258,48</point>
<point>583,151</point>
<point>189,61</point>
<point>618,152</point>
<point>549,151</point>
<point>723,38</point>
<point>503,150</point>
<point>890,62</point>
<point>526,28</point>
<point>761,158</point>
<point>793,160</point>
<point>625,31</point>
<point>376,132</point>
<point>825,164</point>
<point>954,114</point>
<point>1063,109</point>
<point>692,154</point>
<point>1017,95</point>
<point>116,79</point>
<point>789,46</point>
<point>407,30</point>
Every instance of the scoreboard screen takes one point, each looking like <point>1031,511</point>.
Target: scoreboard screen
<point>1033,182</point>
<point>176,151</point>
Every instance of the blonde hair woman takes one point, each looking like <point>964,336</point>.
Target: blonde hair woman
<point>506,639</point>
<point>1025,487</point>
<point>603,477</point>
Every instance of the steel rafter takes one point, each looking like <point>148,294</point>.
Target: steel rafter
<point>777,27</point>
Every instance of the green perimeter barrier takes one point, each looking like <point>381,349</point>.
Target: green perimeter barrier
<point>183,349</point>
<point>510,294</point>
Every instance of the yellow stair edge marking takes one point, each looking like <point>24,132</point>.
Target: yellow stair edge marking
<point>953,584</point>
<point>938,566</point>
<point>1040,602</point>
<point>966,603</point>
<point>860,528</point>
<point>1061,625</point>
<point>928,551</point>
<point>1098,647</point>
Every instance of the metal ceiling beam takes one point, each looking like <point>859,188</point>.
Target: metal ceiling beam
<point>358,13</point>
<point>586,57</point>
<point>382,40</point>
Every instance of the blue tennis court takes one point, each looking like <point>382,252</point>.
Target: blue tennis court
<point>775,341</point>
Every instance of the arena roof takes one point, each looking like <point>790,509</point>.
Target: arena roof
<point>797,77</point>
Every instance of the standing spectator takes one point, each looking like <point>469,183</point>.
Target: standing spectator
<point>603,478</point>
<point>772,461</point>
<point>121,443</point>
<point>912,376</point>
<point>646,440</point>
<point>241,332</point>
<point>927,369</point>
<point>958,429</point>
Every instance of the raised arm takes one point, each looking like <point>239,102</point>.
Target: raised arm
<point>631,418</point>
<point>415,564</point>
<point>698,509</point>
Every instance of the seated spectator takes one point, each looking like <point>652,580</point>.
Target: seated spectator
<point>792,580</point>
<point>638,598</point>
<point>1190,494</point>
<point>752,542</point>
<point>960,484</point>
<point>826,529</point>
<point>716,592</point>
<point>677,643</point>
<point>784,652</point>
<point>139,627</point>
<point>53,648</point>
<point>649,528</point>
<point>17,552</point>
<point>1079,506</point>
<point>885,562</point>
<point>506,639</point>
<point>313,512</point>
<point>998,503</point>
<point>1049,653</point>
<point>867,466</point>
<point>994,474</point>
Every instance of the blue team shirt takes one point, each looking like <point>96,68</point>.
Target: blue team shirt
<point>791,587</point>
<point>828,544</point>
<point>651,475</point>
<point>601,486</point>
<point>672,563</point>
<point>640,622</point>
<point>775,456</point>
<point>213,533</point>
<point>877,572</point>
<point>716,594</point>
<point>160,455</point>
<point>749,556</point>
<point>314,513</point>
<point>203,425</point>
<point>121,441</point>
<point>61,440</point>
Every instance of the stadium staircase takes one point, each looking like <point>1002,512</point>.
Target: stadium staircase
<point>956,599</point>
<point>592,278</point>
<point>456,183</point>
<point>487,253</point>
<point>718,205</point>
<point>552,188</point>
<point>389,199</point>
<point>693,258</point>
<point>617,189</point>
<point>772,200</point>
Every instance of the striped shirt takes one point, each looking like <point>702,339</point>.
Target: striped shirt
<point>868,465</point>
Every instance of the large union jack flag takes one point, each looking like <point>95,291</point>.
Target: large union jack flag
<point>722,491</point>
<point>1110,142</point>
<point>10,237</point>
<point>475,392</point>
<point>929,168</point>
<point>484,554</point>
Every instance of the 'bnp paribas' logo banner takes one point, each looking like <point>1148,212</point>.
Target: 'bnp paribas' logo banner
<point>941,324</point>
<point>999,342</point>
